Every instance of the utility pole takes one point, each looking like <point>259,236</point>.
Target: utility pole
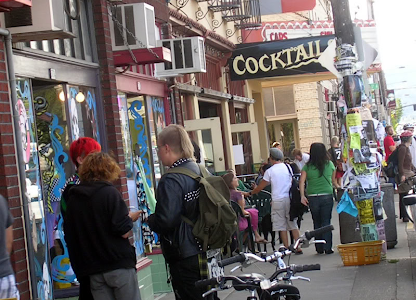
<point>359,147</point>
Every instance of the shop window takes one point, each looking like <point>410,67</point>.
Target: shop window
<point>141,121</point>
<point>82,112</point>
<point>49,126</point>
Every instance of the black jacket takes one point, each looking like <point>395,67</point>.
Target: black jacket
<point>177,195</point>
<point>95,220</point>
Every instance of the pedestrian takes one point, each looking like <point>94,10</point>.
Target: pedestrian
<point>319,172</point>
<point>97,225</point>
<point>277,145</point>
<point>389,147</point>
<point>78,150</point>
<point>262,169</point>
<point>177,195</point>
<point>412,147</point>
<point>8,288</point>
<point>232,182</point>
<point>300,158</point>
<point>406,170</point>
<point>280,178</point>
<point>335,153</point>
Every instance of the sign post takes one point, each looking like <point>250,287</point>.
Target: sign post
<point>361,159</point>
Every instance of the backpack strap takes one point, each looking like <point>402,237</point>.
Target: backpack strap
<point>289,169</point>
<point>193,175</point>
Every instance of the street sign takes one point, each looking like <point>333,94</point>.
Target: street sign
<point>374,86</point>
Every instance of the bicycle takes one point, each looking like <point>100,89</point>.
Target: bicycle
<point>266,288</point>
<point>409,201</point>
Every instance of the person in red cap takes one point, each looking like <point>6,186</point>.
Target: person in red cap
<point>406,170</point>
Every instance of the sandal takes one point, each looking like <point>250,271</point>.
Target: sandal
<point>262,241</point>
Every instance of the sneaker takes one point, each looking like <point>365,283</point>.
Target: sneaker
<point>330,251</point>
<point>298,252</point>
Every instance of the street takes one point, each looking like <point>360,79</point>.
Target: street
<point>391,279</point>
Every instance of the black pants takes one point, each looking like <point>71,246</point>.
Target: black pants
<point>85,288</point>
<point>402,208</point>
<point>184,274</point>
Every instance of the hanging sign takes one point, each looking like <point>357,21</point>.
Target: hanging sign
<point>278,58</point>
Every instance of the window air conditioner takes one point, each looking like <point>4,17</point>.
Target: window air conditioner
<point>332,107</point>
<point>44,20</point>
<point>188,56</point>
<point>137,18</point>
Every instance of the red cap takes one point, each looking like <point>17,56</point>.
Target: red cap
<point>406,133</point>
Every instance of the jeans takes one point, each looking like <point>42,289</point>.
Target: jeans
<point>392,181</point>
<point>120,284</point>
<point>321,210</point>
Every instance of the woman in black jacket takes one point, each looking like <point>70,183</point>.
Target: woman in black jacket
<point>97,224</point>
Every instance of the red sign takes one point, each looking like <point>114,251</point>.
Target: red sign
<point>297,5</point>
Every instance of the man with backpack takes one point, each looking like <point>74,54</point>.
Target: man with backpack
<point>181,193</point>
<point>280,178</point>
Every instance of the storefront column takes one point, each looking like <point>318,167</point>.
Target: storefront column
<point>250,113</point>
<point>109,90</point>
<point>227,135</point>
<point>309,114</point>
<point>259,114</point>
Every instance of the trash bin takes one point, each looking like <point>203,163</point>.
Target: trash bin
<point>389,208</point>
<point>347,228</point>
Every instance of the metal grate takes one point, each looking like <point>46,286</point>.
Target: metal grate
<point>251,9</point>
<point>224,5</point>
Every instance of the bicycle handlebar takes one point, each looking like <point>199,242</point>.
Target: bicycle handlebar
<point>236,280</point>
<point>311,234</point>
<point>229,261</point>
<point>206,282</point>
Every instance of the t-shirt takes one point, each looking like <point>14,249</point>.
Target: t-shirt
<point>388,142</point>
<point>305,159</point>
<point>280,179</point>
<point>318,184</point>
<point>6,220</point>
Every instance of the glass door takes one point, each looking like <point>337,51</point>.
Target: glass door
<point>207,134</point>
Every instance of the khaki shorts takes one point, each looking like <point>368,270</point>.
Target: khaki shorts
<point>280,215</point>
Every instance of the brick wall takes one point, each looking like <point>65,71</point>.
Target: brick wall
<point>9,182</point>
<point>109,90</point>
<point>309,114</point>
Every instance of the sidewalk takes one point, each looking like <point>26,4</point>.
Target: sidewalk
<point>391,279</point>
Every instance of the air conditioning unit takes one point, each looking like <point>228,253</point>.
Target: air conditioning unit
<point>188,56</point>
<point>44,20</point>
<point>332,106</point>
<point>133,24</point>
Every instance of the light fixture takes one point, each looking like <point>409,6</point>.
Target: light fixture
<point>80,97</point>
<point>62,96</point>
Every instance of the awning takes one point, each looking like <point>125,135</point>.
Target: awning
<point>278,58</point>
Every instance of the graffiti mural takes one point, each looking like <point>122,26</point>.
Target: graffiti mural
<point>36,224</point>
<point>141,137</point>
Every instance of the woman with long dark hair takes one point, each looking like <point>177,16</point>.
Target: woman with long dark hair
<point>319,172</point>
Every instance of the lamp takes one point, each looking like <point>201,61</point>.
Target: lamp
<point>62,96</point>
<point>80,97</point>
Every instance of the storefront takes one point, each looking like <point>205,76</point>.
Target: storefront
<point>142,107</point>
<point>55,108</point>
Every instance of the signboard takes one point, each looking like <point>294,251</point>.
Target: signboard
<point>277,31</point>
<point>374,86</point>
<point>278,58</point>
<point>391,98</point>
<point>269,7</point>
